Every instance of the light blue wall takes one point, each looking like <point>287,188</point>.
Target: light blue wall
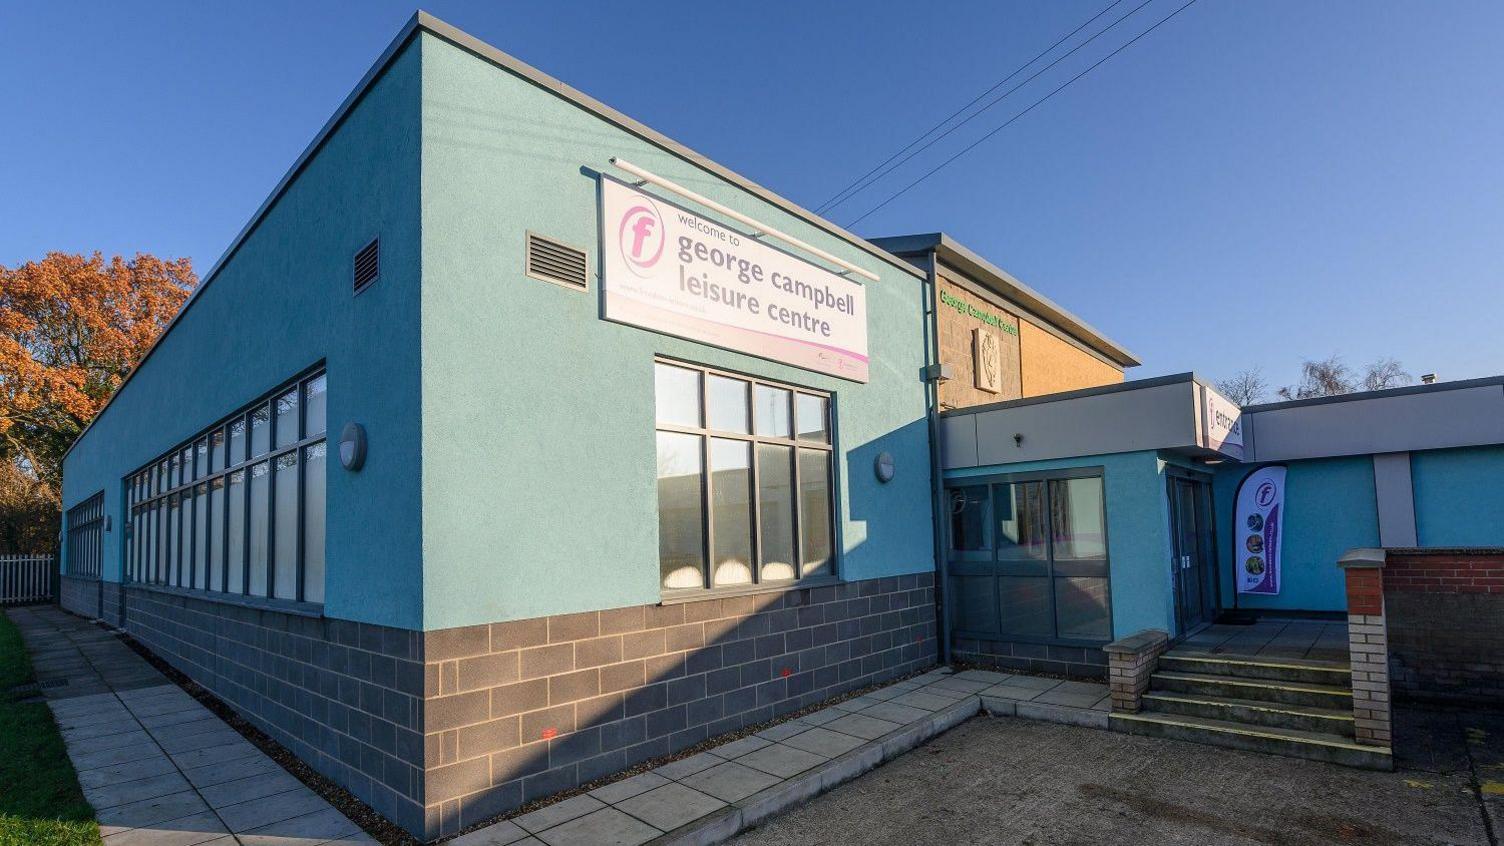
<point>1329,509</point>
<point>281,304</point>
<point>1138,533</point>
<point>1459,496</point>
<point>538,480</point>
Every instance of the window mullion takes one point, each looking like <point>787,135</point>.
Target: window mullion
<point>706,503</point>
<point>754,496</point>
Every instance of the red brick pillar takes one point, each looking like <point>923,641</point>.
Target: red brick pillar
<point>1368,644</point>
<point>1130,663</point>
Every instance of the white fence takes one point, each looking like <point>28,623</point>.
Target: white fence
<point>26,578</point>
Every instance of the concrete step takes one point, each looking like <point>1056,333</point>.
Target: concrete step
<point>1302,671</point>
<point>1253,712</point>
<point>1291,743</point>
<point>1337,697</point>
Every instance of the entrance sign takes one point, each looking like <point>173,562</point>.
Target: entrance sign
<point>1258,525</point>
<point>670,270</point>
<point>1223,422</point>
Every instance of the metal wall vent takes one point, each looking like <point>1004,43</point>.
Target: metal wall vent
<point>367,264</point>
<point>558,263</point>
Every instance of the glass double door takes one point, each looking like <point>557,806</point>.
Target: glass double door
<point>1192,551</point>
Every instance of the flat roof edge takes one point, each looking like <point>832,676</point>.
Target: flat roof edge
<point>1100,390</point>
<point>1009,286</point>
<point>426,22</point>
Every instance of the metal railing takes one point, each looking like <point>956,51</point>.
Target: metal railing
<point>26,578</point>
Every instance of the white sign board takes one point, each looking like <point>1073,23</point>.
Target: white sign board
<point>670,270</point>
<point>1223,423</point>
<point>1259,530</point>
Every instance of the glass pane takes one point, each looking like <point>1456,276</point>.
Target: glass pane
<point>186,474</point>
<point>313,522</point>
<point>816,538</point>
<point>1076,518</point>
<point>261,431</point>
<point>1081,607</point>
<point>770,411</point>
<point>728,404</point>
<point>676,394</point>
<point>162,476</point>
<point>237,441</point>
<point>173,540</point>
<point>731,511</point>
<point>216,450</point>
<point>313,416</point>
<point>172,471</point>
<point>681,533</point>
<point>236,528</point>
<point>285,524</point>
<point>775,498</point>
<point>968,517</point>
<point>201,536</point>
<point>813,418</point>
<point>1025,605</point>
<point>217,533</point>
<point>136,542</point>
<point>260,511</point>
<point>974,603</point>
<point>1021,522</point>
<point>201,458</point>
<point>287,419</point>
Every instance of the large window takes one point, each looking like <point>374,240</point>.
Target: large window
<point>240,508</point>
<point>1028,558</point>
<point>85,537</point>
<point>744,480</point>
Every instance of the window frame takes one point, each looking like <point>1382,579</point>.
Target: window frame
<point>971,563</point>
<point>794,443</point>
<point>85,537</point>
<point>150,563</point>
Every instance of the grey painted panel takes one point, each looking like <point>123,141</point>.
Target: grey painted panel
<point>1408,422</point>
<point>1159,417</point>
<point>1396,499</point>
<point>958,441</point>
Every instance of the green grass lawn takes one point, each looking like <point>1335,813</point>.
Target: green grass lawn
<point>40,801</point>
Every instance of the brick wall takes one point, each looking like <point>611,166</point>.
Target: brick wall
<point>955,338</point>
<point>1049,364</point>
<point>1074,661</point>
<point>80,596</point>
<point>1446,624</point>
<point>523,709</point>
<point>345,697</point>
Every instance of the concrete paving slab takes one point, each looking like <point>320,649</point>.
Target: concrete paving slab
<point>121,773</point>
<point>857,725</point>
<point>313,829</point>
<point>730,781</point>
<point>924,701</point>
<point>263,811</point>
<point>504,833</point>
<point>246,789</point>
<point>184,831</point>
<point>670,806</point>
<point>824,742</point>
<point>782,761</point>
<point>149,812</point>
<point>687,766</point>
<point>172,742</point>
<point>962,685</point>
<point>88,760</point>
<point>212,774</point>
<point>628,787</point>
<point>737,748</point>
<point>991,677</point>
<point>1075,700</point>
<point>1011,691</point>
<point>793,727</point>
<point>559,813</point>
<point>894,712</point>
<point>606,827</point>
<point>231,751</point>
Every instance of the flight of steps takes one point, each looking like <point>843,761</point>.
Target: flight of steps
<point>1297,708</point>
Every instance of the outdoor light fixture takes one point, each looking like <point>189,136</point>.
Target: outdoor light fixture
<point>882,466</point>
<point>352,446</point>
<point>1018,439</point>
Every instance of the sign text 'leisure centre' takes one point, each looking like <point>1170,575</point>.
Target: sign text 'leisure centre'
<point>670,270</point>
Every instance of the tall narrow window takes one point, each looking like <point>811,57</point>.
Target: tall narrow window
<point>235,579</point>
<point>285,523</point>
<point>313,522</point>
<point>763,511</point>
<point>217,533</point>
<point>260,522</point>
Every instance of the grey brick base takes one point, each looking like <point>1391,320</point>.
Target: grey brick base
<point>79,596</point>
<point>1080,662</point>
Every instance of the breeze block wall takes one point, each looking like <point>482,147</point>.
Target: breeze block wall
<point>1446,624</point>
<point>80,596</point>
<point>518,710</point>
<point>345,697</point>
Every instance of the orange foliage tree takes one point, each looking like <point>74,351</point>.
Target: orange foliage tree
<point>71,329</point>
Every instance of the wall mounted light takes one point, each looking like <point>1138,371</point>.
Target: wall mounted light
<point>1018,439</point>
<point>882,467</point>
<point>352,446</point>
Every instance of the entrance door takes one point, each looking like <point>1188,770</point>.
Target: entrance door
<point>1192,558</point>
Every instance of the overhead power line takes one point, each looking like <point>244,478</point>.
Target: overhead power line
<point>841,196</point>
<point>973,145</point>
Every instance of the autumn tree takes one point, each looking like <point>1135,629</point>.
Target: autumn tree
<point>71,329</point>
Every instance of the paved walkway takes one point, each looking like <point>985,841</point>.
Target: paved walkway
<point>710,796</point>
<point>157,766</point>
<point>1312,640</point>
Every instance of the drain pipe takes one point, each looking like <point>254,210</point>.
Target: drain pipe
<point>932,378</point>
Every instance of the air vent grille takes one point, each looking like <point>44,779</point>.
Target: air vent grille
<point>561,264</point>
<point>367,265</point>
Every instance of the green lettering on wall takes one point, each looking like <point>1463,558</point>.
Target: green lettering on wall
<point>970,310</point>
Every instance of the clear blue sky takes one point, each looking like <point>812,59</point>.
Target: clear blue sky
<point>1252,183</point>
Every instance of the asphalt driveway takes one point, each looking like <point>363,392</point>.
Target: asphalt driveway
<point>1010,781</point>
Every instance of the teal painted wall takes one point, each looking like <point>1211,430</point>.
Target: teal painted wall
<point>281,304</point>
<point>1459,496</point>
<point>1138,533</point>
<point>538,481</point>
<point>1329,509</point>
